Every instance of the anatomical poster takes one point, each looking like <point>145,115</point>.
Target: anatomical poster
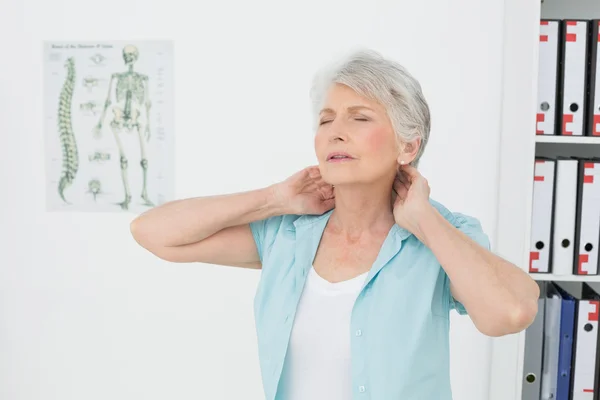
<point>108,125</point>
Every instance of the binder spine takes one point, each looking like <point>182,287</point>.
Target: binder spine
<point>585,350</point>
<point>588,217</point>
<point>548,78</point>
<point>593,120</point>
<point>574,76</point>
<point>565,206</point>
<point>540,255</point>
<point>565,354</point>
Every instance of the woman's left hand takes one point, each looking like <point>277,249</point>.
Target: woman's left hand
<point>412,198</point>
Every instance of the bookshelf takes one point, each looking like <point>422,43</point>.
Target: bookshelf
<point>518,150</point>
<point>568,139</point>
<point>566,278</point>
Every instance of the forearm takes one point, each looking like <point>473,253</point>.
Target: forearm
<point>500,297</point>
<point>191,220</point>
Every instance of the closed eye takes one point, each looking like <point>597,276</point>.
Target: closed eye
<point>360,117</point>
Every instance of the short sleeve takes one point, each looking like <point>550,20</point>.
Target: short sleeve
<point>472,228</point>
<point>258,232</point>
<point>264,232</point>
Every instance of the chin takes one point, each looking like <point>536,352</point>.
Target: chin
<point>338,176</point>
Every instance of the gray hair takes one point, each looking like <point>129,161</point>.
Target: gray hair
<point>388,83</point>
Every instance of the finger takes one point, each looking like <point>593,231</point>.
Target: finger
<point>328,205</point>
<point>326,191</point>
<point>398,182</point>
<point>322,183</point>
<point>323,189</point>
<point>315,182</point>
<point>403,180</point>
<point>314,172</point>
<point>329,192</point>
<point>411,172</point>
<point>311,187</point>
<point>402,191</point>
<point>318,178</point>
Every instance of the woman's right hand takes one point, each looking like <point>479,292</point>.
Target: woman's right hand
<point>305,192</point>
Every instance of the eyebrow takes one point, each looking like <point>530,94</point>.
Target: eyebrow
<point>351,108</point>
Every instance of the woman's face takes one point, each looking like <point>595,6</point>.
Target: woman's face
<point>360,128</point>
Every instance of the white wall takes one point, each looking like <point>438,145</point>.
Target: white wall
<point>84,312</point>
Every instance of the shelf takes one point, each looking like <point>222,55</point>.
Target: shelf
<point>520,97</point>
<point>565,278</point>
<point>567,139</point>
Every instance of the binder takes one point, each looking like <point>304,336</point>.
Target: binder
<point>532,362</point>
<point>588,217</point>
<point>574,40</point>
<point>564,215</point>
<point>548,69</point>
<point>593,120</point>
<point>540,254</point>
<point>551,344</point>
<point>586,344</point>
<point>565,349</point>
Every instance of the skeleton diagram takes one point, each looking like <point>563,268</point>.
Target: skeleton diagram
<point>130,94</point>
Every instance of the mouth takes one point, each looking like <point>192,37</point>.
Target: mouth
<point>339,156</point>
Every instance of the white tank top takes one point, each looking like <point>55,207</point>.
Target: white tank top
<point>317,365</point>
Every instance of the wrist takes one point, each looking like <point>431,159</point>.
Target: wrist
<point>275,204</point>
<point>428,222</point>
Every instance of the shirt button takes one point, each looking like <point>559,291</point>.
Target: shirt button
<point>358,332</point>
<point>361,389</point>
<point>287,317</point>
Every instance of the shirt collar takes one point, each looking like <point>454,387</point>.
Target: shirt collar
<point>320,221</point>
<point>309,231</point>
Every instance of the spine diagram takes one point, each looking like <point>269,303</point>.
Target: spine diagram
<point>70,163</point>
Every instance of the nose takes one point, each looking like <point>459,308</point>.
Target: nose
<point>337,138</point>
<point>338,131</point>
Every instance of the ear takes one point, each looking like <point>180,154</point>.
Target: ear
<point>409,151</point>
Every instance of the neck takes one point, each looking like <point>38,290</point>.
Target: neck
<point>363,208</point>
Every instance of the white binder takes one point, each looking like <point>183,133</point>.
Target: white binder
<point>541,224</point>
<point>588,218</point>
<point>548,77</point>
<point>585,346</point>
<point>574,50</point>
<point>565,212</point>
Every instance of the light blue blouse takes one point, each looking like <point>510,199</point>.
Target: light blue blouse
<point>400,320</point>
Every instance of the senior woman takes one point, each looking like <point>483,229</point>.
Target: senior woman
<point>359,267</point>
